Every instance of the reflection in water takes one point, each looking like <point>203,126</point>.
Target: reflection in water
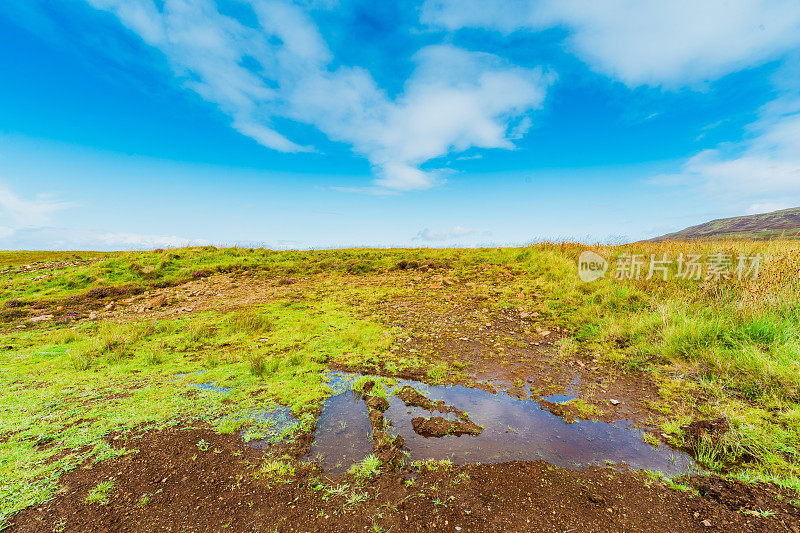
<point>513,430</point>
<point>343,436</point>
<point>519,430</point>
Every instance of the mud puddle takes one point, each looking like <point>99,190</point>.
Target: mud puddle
<point>343,435</point>
<point>513,430</point>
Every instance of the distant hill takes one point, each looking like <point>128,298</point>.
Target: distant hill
<point>784,223</point>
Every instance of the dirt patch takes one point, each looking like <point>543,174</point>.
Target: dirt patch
<point>436,426</point>
<point>713,429</point>
<point>195,480</point>
<point>566,411</point>
<point>458,324</point>
<point>413,398</point>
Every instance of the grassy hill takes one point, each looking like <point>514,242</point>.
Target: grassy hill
<point>767,226</point>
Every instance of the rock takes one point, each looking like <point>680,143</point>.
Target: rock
<point>110,307</point>
<point>40,318</point>
<point>613,402</point>
<point>93,315</point>
<point>706,523</point>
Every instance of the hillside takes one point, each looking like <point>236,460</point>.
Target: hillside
<point>766,226</point>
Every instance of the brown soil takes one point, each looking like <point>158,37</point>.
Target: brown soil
<point>436,426</point>
<point>413,398</point>
<point>714,428</point>
<point>213,488</point>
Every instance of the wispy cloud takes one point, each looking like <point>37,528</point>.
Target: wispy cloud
<point>281,68</point>
<point>50,238</point>
<point>681,43</point>
<point>672,43</point>
<point>456,232</point>
<point>767,207</point>
<point>16,212</point>
<point>762,170</point>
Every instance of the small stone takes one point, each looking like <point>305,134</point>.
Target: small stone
<point>706,523</point>
<point>40,318</point>
<point>93,315</point>
<point>613,402</point>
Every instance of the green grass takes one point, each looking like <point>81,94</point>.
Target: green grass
<point>276,471</point>
<point>100,493</point>
<point>70,387</point>
<point>368,468</point>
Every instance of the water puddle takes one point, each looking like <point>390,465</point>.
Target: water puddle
<point>344,435</point>
<point>514,430</point>
<point>559,398</point>
<point>203,386</point>
<point>212,387</point>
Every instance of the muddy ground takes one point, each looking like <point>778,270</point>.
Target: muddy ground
<point>170,483</point>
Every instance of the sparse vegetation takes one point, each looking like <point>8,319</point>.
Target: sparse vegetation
<point>100,493</point>
<point>367,468</point>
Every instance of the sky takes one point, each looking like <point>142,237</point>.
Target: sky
<point>139,124</point>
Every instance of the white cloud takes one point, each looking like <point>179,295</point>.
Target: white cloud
<point>454,100</point>
<point>50,238</point>
<point>20,212</point>
<point>767,207</point>
<point>459,231</point>
<point>763,170</point>
<point>670,43</point>
<point>434,235</point>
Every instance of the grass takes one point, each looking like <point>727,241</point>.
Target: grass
<point>734,343</point>
<point>367,468</point>
<point>77,387</point>
<point>276,471</point>
<point>100,493</point>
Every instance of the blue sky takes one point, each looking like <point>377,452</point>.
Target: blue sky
<point>148,123</point>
